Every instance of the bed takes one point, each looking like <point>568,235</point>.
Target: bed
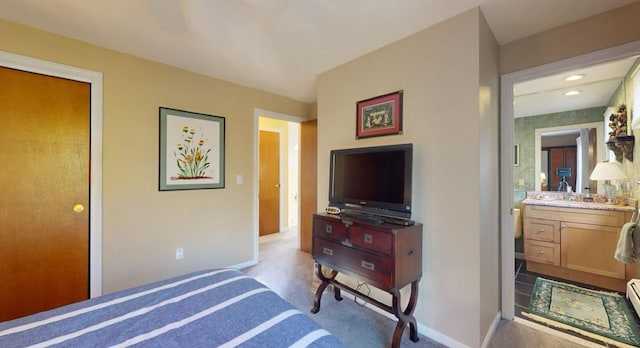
<point>214,308</point>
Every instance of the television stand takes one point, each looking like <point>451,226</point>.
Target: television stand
<point>386,256</point>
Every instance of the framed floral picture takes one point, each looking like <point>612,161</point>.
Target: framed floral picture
<point>192,150</point>
<point>381,115</point>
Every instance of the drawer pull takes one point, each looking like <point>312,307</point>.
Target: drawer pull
<point>368,265</point>
<point>327,251</point>
<point>328,228</point>
<point>368,238</point>
<point>541,252</point>
<point>541,230</point>
<point>410,252</point>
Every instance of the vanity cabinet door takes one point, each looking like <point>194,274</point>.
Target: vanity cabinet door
<point>590,248</point>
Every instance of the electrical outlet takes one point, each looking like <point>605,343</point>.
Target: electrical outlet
<point>179,253</point>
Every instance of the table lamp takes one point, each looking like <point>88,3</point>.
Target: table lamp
<point>608,171</point>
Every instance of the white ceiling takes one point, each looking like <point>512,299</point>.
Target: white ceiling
<point>279,46</point>
<point>547,95</point>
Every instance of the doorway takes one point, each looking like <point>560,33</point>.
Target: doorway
<point>28,64</point>
<point>285,131</point>
<point>507,155</point>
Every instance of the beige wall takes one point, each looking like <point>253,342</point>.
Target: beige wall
<point>450,115</point>
<point>489,179</point>
<point>142,227</point>
<point>606,30</point>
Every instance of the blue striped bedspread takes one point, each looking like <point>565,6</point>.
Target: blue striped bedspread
<point>214,308</point>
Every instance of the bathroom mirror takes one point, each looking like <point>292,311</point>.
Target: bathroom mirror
<point>588,142</point>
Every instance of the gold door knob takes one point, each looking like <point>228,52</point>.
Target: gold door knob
<point>78,208</point>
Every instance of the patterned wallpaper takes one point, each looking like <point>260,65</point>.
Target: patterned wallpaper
<point>624,95</point>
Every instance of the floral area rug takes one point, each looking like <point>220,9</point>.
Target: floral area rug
<point>603,316</point>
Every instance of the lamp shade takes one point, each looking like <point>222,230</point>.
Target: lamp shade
<point>607,171</point>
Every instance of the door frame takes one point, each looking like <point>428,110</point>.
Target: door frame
<point>507,155</point>
<point>94,78</point>
<point>256,174</point>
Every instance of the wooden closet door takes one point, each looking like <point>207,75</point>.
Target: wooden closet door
<point>269,183</point>
<point>44,185</point>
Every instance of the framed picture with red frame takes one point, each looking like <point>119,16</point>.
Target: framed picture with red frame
<point>381,115</point>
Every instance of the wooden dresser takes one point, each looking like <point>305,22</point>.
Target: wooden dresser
<point>386,256</point>
<point>576,243</point>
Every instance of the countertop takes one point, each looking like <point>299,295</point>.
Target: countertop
<point>575,204</point>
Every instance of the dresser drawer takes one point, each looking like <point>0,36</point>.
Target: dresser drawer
<point>374,268</point>
<point>542,230</point>
<point>542,252</point>
<point>374,240</point>
<point>330,229</point>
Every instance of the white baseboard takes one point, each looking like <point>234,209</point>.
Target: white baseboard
<point>244,264</point>
<point>492,330</point>
<point>422,329</point>
<point>440,337</point>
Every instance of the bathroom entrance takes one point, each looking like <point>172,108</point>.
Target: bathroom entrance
<point>524,176</point>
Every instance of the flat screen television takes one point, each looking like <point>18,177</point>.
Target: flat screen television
<point>372,181</point>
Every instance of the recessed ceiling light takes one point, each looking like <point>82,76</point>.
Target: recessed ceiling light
<point>572,93</point>
<point>574,77</point>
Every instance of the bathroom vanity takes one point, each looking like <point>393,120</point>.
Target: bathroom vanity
<point>576,241</point>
